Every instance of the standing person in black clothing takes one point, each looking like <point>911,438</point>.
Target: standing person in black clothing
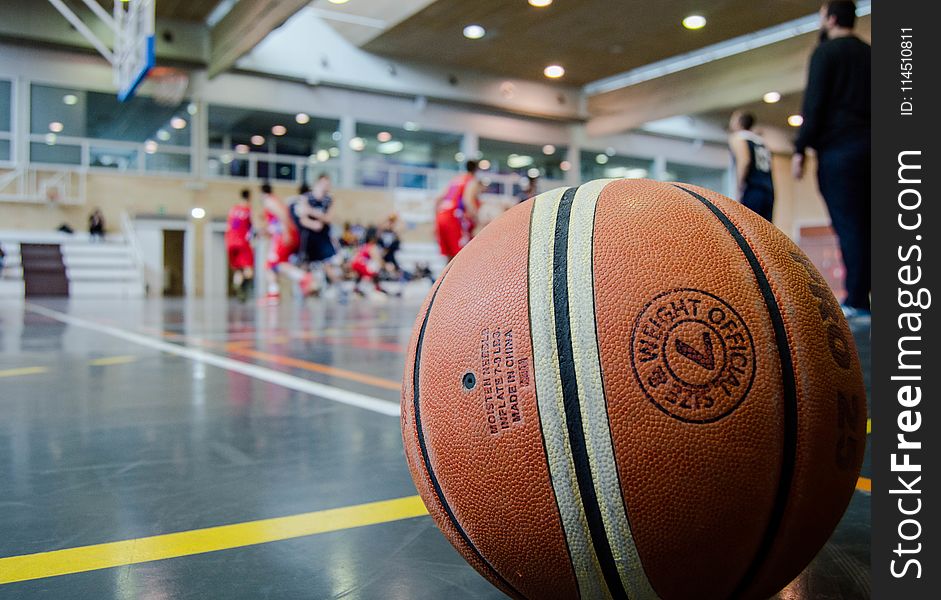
<point>752,165</point>
<point>836,124</point>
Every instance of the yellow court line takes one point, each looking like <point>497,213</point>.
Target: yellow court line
<point>113,360</point>
<point>23,371</point>
<point>198,541</point>
<point>864,484</point>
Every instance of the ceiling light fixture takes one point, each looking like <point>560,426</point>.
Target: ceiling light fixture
<point>554,71</point>
<point>772,97</point>
<point>56,127</point>
<point>279,130</point>
<point>474,32</point>
<point>795,120</point>
<point>548,149</point>
<point>694,22</point>
<point>258,140</point>
<point>540,3</point>
<point>384,136</point>
<point>178,123</point>
<point>302,118</point>
<point>70,99</point>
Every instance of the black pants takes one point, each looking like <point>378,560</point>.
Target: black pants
<point>843,173</point>
<point>760,200</point>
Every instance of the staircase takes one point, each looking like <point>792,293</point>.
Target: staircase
<point>43,270</point>
<point>56,264</point>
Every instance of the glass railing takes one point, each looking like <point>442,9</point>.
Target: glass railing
<point>109,155</point>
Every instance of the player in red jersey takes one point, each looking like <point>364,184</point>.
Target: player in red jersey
<point>282,243</point>
<point>457,211</point>
<point>238,242</point>
<point>366,262</point>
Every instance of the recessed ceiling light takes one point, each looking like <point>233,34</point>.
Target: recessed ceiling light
<point>163,135</point>
<point>772,97</point>
<point>384,136</point>
<point>198,213</point>
<point>192,108</point>
<point>302,118</point>
<point>258,140</point>
<point>519,161</point>
<point>610,151</point>
<point>533,173</point>
<point>548,149</point>
<point>334,152</point>
<point>338,1</point>
<point>694,22</point>
<point>795,120</point>
<point>484,164</point>
<point>51,139</point>
<point>70,99</point>
<point>150,147</point>
<point>241,149</point>
<point>459,157</point>
<point>602,159</point>
<point>279,130</point>
<point>323,155</point>
<point>411,126</point>
<point>554,71</point>
<point>336,136</point>
<point>474,32</point>
<point>357,144</point>
<point>56,127</point>
<point>540,3</point>
<point>565,165</point>
<point>178,123</point>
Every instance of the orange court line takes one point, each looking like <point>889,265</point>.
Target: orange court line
<point>287,361</point>
<point>864,484</point>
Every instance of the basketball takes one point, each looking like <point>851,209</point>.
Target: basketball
<point>633,389</point>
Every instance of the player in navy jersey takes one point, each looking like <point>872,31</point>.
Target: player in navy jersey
<point>752,165</point>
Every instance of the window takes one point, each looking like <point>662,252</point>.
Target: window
<point>405,158</point>
<point>94,129</point>
<point>709,178</point>
<point>6,119</point>
<point>601,165</point>
<point>268,145</point>
<point>505,158</point>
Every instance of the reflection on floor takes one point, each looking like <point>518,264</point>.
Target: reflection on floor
<point>111,431</point>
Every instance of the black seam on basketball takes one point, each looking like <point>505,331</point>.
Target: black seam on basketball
<point>790,396</point>
<point>570,400</point>
<point>542,433</point>
<point>424,450</point>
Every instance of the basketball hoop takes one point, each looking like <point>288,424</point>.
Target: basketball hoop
<point>168,85</point>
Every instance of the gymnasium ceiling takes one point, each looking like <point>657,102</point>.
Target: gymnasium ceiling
<point>592,39</point>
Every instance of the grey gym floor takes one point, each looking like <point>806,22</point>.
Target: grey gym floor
<point>104,438</point>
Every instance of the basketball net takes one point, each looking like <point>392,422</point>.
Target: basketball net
<point>167,85</point>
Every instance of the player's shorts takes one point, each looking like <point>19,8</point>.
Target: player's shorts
<point>241,257</point>
<point>362,269</point>
<point>451,235</point>
<point>279,252</point>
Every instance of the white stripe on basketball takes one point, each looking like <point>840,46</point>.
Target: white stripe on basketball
<point>591,396</point>
<point>549,398</point>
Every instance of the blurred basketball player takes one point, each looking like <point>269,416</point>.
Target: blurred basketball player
<point>836,111</point>
<point>238,243</point>
<point>313,214</point>
<point>752,165</point>
<point>366,263</point>
<point>282,243</point>
<point>457,211</point>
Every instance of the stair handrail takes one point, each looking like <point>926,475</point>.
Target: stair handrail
<point>130,236</point>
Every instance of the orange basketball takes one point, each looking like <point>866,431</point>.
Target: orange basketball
<point>633,389</point>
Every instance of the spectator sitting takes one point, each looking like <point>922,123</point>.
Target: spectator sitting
<point>96,226</point>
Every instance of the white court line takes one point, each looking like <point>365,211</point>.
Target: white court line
<point>292,382</point>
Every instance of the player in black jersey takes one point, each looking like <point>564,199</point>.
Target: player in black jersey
<point>752,165</point>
